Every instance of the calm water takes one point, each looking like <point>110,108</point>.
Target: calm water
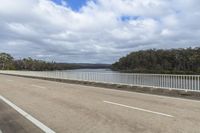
<point>92,70</point>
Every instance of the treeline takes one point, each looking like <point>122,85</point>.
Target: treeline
<point>179,61</point>
<point>7,62</point>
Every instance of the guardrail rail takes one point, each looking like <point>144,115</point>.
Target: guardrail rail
<point>165,81</point>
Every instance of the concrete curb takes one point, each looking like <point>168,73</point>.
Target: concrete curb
<point>148,90</point>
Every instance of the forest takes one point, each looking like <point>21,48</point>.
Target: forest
<point>7,62</point>
<point>168,61</point>
<point>173,61</point>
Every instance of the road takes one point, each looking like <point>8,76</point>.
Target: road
<point>71,108</point>
<point>11,121</point>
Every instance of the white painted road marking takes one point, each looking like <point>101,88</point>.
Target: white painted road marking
<point>1,131</point>
<point>9,80</point>
<point>168,97</point>
<point>27,116</point>
<point>140,109</point>
<point>37,86</point>
<point>153,95</point>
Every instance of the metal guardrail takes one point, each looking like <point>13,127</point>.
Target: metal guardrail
<point>165,81</point>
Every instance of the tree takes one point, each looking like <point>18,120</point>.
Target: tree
<point>6,61</point>
<point>161,61</point>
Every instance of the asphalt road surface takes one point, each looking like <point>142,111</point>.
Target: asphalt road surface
<point>71,108</point>
<point>11,121</point>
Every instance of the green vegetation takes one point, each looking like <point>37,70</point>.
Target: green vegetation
<point>179,61</point>
<point>7,62</point>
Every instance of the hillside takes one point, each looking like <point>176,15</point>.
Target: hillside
<point>182,61</point>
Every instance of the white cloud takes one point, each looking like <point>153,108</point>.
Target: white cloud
<point>97,33</point>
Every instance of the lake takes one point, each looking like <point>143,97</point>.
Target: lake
<point>92,70</point>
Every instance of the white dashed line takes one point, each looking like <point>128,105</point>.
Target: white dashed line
<point>9,80</point>
<point>153,95</point>
<point>140,109</point>
<point>37,86</point>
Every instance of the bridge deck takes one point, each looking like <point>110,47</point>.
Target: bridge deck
<point>70,108</point>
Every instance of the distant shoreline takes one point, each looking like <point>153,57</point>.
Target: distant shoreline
<point>162,61</point>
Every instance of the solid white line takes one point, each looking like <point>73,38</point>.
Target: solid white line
<point>37,86</point>
<point>1,131</point>
<point>29,117</point>
<point>140,109</point>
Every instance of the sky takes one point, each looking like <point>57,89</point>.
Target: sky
<point>96,31</point>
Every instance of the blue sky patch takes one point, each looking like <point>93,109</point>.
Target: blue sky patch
<point>127,18</point>
<point>73,4</point>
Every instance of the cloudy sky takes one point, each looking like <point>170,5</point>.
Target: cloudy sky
<point>96,31</point>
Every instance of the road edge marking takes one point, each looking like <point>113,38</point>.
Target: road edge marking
<point>29,117</point>
<point>140,109</point>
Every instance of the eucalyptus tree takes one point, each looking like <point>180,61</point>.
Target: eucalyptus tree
<point>6,61</point>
